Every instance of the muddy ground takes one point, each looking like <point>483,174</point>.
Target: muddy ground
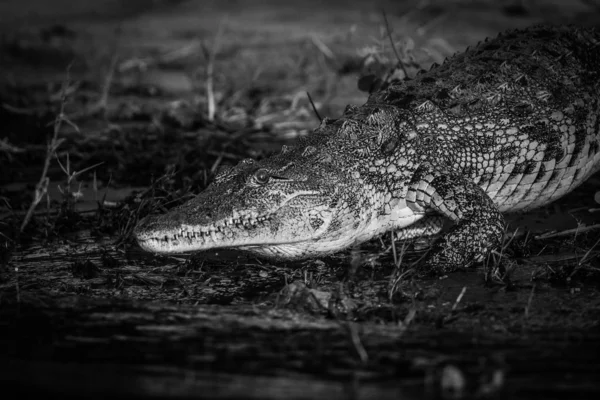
<point>116,109</point>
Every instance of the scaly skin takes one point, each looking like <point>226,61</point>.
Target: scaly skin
<point>509,125</point>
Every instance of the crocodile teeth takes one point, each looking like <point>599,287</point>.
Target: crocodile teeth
<point>217,232</point>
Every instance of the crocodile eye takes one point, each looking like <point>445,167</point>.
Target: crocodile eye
<point>262,176</point>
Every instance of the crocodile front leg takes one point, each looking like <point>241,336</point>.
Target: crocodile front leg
<point>430,225</point>
<point>478,224</point>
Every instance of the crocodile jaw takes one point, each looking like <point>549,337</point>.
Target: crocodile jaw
<point>285,233</point>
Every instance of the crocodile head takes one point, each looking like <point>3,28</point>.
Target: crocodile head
<point>338,186</point>
<point>287,206</point>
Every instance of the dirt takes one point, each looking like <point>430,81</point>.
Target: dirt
<point>85,312</point>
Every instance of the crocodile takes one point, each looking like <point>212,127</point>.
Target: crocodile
<point>508,125</point>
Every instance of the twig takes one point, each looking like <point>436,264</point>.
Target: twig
<point>101,105</point>
<point>215,165</point>
<point>554,258</point>
<point>210,71</point>
<point>40,190</point>
<point>580,262</point>
<point>42,186</point>
<point>412,312</point>
<point>18,110</point>
<point>398,262</point>
<point>588,252</point>
<point>396,281</point>
<point>360,349</point>
<point>568,231</point>
<point>7,147</point>
<point>402,253</point>
<point>506,242</point>
<point>108,79</point>
<point>314,107</point>
<point>528,306</point>
<point>322,47</point>
<point>459,298</point>
<point>73,175</point>
<point>17,286</point>
<point>496,260</point>
<point>389,33</point>
<point>394,249</point>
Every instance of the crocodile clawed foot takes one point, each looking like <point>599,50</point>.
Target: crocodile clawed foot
<point>435,266</point>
